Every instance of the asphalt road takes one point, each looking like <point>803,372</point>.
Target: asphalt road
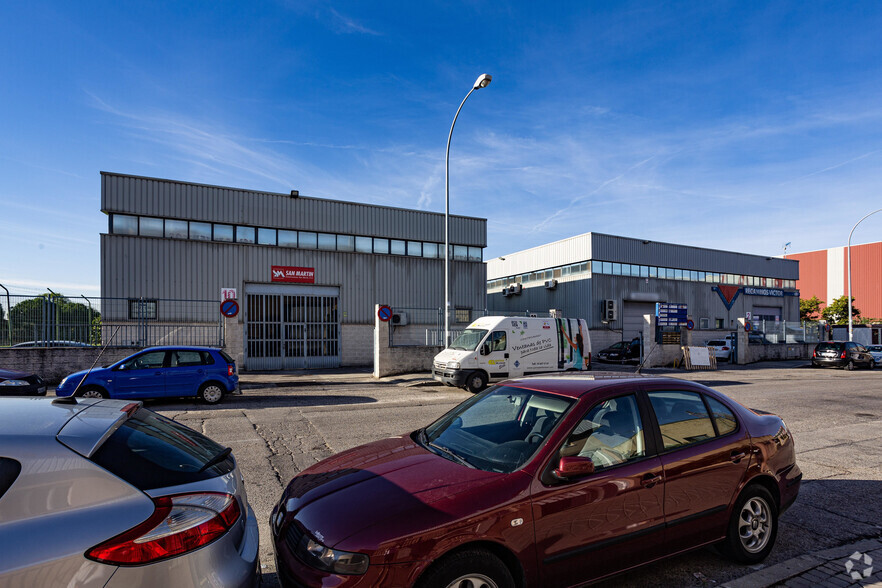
<point>285,422</point>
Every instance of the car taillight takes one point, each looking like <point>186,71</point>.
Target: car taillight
<point>725,348</point>
<point>231,369</point>
<point>179,524</point>
<point>815,353</point>
<point>842,356</point>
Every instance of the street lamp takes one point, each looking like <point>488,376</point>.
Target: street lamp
<point>850,328</point>
<point>482,82</point>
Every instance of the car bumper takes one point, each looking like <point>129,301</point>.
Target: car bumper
<point>829,361</point>
<point>451,377</point>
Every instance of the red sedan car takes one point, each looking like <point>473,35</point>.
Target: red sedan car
<point>548,481</point>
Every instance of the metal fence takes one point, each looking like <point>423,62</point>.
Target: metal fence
<point>55,320</point>
<point>786,332</point>
<point>425,326</point>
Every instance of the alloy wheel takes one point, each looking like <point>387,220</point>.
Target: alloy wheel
<point>473,581</point>
<point>754,524</point>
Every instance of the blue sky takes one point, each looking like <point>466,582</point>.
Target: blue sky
<point>730,125</point>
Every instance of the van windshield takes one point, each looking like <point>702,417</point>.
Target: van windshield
<point>469,339</point>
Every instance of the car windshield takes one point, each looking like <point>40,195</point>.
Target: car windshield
<point>469,339</point>
<point>618,345</point>
<point>496,431</point>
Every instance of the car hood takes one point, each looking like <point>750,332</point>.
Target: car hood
<point>453,355</point>
<point>12,374</point>
<point>394,487</point>
<point>98,371</point>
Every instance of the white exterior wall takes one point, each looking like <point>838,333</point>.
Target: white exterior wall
<point>835,271</point>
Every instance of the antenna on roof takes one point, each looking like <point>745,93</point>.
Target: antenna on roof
<point>83,379</point>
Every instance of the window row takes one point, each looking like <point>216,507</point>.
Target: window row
<point>123,224</point>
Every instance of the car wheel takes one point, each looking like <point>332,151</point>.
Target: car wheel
<point>211,393</point>
<point>850,365</point>
<point>92,392</point>
<point>477,381</point>
<point>752,527</point>
<point>872,364</point>
<point>472,568</point>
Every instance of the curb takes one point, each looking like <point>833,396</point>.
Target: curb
<point>791,568</point>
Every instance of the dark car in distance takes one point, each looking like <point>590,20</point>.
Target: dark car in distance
<point>621,352</point>
<point>847,354</point>
<point>16,383</point>
<point>545,481</point>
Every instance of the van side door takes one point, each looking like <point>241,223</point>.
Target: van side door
<point>495,356</point>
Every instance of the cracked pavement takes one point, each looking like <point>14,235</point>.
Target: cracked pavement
<point>283,423</point>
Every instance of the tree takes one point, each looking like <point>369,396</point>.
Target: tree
<point>836,312</point>
<point>50,317</point>
<point>810,310</point>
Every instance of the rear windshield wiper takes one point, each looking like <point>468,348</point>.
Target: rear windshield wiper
<point>456,457</point>
<point>224,454</point>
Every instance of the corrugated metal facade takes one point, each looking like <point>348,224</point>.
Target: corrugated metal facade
<point>819,277</point>
<point>579,296</point>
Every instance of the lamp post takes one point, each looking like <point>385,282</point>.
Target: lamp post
<point>850,327</point>
<point>482,82</point>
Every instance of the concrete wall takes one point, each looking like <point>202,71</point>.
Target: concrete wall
<point>357,345</point>
<point>54,363</point>
<point>389,361</point>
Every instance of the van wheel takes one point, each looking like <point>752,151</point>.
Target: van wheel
<point>477,381</point>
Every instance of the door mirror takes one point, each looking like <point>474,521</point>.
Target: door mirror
<point>485,349</point>
<point>573,467</point>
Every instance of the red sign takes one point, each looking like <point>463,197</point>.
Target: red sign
<point>300,275</point>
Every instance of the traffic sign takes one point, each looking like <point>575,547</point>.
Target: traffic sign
<point>384,313</point>
<point>690,324</point>
<point>748,326</point>
<point>229,308</point>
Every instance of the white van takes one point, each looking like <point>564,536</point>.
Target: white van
<point>495,348</point>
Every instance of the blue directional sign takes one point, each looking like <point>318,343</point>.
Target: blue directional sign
<point>670,314</point>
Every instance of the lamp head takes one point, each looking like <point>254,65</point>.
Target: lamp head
<point>483,81</point>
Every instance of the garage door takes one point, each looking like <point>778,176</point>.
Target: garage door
<point>291,327</point>
<point>632,318</point>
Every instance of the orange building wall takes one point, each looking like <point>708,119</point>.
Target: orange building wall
<point>812,274</point>
<point>866,276</point>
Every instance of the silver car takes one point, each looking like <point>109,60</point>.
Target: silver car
<point>107,493</point>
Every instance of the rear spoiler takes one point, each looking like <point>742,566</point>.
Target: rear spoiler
<point>89,428</point>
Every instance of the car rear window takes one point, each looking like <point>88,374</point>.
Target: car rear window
<point>226,356</point>
<point>716,344</point>
<point>829,346</point>
<point>150,451</point>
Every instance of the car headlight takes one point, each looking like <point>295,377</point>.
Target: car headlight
<point>454,365</point>
<point>15,383</point>
<point>331,560</point>
<point>63,383</point>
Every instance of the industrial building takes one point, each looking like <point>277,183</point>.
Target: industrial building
<point>307,272</point>
<point>613,281</point>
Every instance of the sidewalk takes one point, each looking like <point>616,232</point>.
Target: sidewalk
<point>827,568</point>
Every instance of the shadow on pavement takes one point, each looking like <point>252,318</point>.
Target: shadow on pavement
<point>259,401</point>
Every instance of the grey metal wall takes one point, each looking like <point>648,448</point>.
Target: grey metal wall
<point>180,200</point>
<point>170,268</point>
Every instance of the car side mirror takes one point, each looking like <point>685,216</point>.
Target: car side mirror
<point>573,467</point>
<point>485,349</point>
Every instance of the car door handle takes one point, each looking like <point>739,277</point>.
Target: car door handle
<point>737,456</point>
<point>158,374</point>
<point>650,480</point>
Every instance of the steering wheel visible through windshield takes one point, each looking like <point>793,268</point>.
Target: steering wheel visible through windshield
<point>498,430</point>
<point>469,339</point>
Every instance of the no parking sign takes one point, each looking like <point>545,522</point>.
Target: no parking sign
<point>229,308</point>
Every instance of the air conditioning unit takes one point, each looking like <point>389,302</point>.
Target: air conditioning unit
<point>608,311</point>
<point>517,289</point>
<point>506,292</point>
<point>551,284</point>
<point>399,318</point>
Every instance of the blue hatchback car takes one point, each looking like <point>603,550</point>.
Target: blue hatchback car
<point>159,372</point>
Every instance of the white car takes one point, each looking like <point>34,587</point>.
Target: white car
<point>876,352</point>
<point>721,348</point>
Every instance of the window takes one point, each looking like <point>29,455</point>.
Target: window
<point>345,243</point>
<point>266,236</point>
<point>123,224</point>
<point>142,309</point>
<point>186,358</point>
<point>381,246</point>
<point>653,272</point>
<point>718,323</point>
<point>463,315</point>
<point>476,254</point>
<point>723,417</point>
<point>150,227</point>
<point>200,231</point>
<point>682,418</point>
<point>307,240</point>
<point>146,361</point>
<point>364,244</point>
<point>287,238</point>
<point>704,323</point>
<point>597,267</point>
<point>245,234</point>
<point>176,229</point>
<point>431,250</point>
<point>398,247</point>
<point>496,341</point>
<point>415,248</point>
<point>460,253</point>
<point>611,433</point>
<point>327,241</point>
<point>223,233</point>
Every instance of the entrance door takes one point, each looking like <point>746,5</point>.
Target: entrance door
<point>291,327</point>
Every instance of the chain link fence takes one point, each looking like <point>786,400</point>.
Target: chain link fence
<point>55,320</point>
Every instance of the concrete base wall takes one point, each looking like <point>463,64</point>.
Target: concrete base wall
<point>357,345</point>
<point>389,361</point>
<point>54,363</point>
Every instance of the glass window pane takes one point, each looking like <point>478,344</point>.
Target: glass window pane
<point>616,269</point>
<point>307,240</point>
<point>724,418</point>
<point>200,231</point>
<point>176,229</point>
<point>364,244</point>
<point>597,267</point>
<point>611,433</point>
<point>607,267</point>
<point>682,418</point>
<point>327,241</point>
<point>653,272</point>
<point>123,224</point>
<point>223,233</point>
<point>345,243</point>
<point>244,234</point>
<point>266,236</point>
<point>430,250</point>
<point>150,227</point>
<point>460,252</point>
<point>644,271</point>
<point>626,269</point>
<point>415,248</point>
<point>381,246</point>
<point>397,247</point>
<point>287,238</point>
<point>476,254</point>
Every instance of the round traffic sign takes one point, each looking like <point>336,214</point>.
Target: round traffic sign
<point>748,326</point>
<point>229,308</point>
<point>690,324</point>
<point>384,313</point>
